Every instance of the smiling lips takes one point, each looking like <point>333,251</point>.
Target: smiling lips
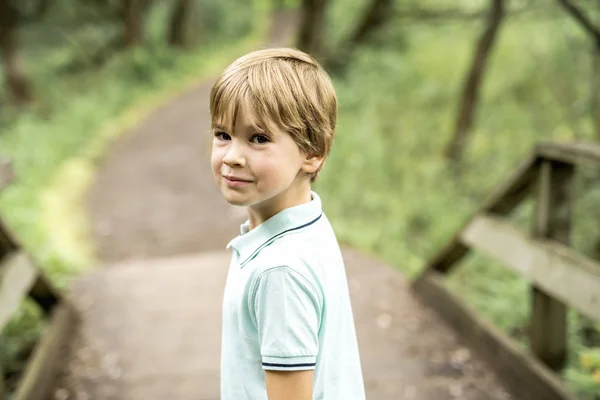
<point>234,181</point>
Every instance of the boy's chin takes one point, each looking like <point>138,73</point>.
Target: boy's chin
<point>237,201</point>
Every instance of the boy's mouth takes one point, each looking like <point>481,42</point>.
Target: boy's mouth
<point>235,181</point>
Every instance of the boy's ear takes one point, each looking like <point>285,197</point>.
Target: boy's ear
<point>311,164</point>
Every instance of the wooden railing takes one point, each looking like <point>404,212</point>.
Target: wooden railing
<point>559,276</point>
<point>20,277</point>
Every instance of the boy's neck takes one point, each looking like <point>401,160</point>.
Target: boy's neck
<point>290,198</point>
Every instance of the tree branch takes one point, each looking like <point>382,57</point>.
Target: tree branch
<point>426,15</point>
<point>457,14</point>
<point>7,174</point>
<point>583,20</point>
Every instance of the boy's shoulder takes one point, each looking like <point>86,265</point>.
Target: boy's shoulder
<point>305,252</point>
<point>290,251</point>
<point>285,259</point>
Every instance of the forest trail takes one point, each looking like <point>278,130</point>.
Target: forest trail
<point>151,318</point>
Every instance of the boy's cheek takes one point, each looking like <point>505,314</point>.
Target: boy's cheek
<point>215,163</point>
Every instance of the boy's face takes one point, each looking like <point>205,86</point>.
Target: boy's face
<point>265,170</point>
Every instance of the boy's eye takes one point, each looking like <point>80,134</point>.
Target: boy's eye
<point>259,139</point>
<point>222,135</point>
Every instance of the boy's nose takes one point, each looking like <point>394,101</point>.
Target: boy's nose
<point>234,156</point>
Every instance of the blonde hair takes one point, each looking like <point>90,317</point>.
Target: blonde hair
<point>280,86</point>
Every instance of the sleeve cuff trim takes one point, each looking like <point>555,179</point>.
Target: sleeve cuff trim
<point>289,363</point>
<point>289,360</point>
<point>288,367</point>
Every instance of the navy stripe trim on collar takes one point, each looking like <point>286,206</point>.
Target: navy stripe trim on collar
<point>268,242</point>
<point>289,365</point>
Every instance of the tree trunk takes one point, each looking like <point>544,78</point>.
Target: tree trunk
<point>178,23</point>
<point>378,12</point>
<point>132,23</point>
<point>312,30</point>
<point>470,93</point>
<point>18,85</point>
<point>7,176</point>
<point>42,7</point>
<point>595,95</point>
<point>593,31</point>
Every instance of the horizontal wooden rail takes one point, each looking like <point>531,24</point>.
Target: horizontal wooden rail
<point>41,372</point>
<point>7,243</point>
<point>557,269</point>
<point>502,201</point>
<point>572,153</point>
<point>21,278</point>
<point>559,276</point>
<point>515,190</point>
<point>521,373</point>
<point>17,275</point>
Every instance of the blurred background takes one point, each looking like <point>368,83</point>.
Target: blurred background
<point>439,101</point>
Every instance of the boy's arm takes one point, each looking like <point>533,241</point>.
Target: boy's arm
<point>287,308</point>
<point>289,385</point>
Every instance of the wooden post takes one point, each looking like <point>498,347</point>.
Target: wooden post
<point>2,394</point>
<point>548,330</point>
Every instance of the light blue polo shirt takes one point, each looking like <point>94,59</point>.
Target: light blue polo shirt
<point>287,307</point>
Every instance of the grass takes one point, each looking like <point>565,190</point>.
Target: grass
<point>389,192</point>
<point>57,144</point>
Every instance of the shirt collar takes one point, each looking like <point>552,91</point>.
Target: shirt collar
<point>250,242</point>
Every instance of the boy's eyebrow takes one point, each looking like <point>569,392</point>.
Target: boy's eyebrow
<point>223,128</point>
<point>219,126</point>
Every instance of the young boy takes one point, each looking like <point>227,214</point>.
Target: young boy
<point>288,330</point>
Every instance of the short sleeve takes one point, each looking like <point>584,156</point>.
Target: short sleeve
<point>287,309</point>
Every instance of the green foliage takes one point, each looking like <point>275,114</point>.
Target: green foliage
<point>18,340</point>
<point>585,382</point>
<point>216,18</point>
<point>386,187</point>
<point>55,143</point>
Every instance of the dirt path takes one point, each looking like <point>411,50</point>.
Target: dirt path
<point>151,322</point>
